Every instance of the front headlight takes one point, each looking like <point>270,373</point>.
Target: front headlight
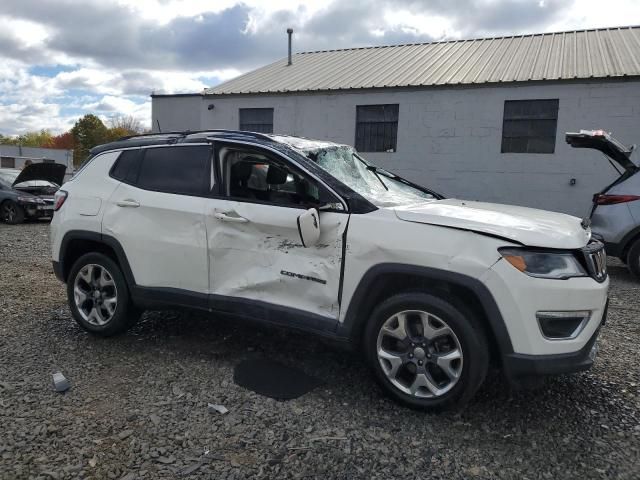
<point>558,265</point>
<point>23,199</point>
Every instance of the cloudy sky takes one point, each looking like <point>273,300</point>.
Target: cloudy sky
<point>60,59</point>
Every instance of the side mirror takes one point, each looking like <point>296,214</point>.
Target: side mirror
<point>309,227</point>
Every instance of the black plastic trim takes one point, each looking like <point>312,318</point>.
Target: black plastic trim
<point>518,367</point>
<point>68,237</point>
<point>614,249</point>
<point>275,314</point>
<point>364,295</point>
<point>300,233</point>
<point>154,297</point>
<point>159,297</point>
<point>263,312</point>
<point>620,248</point>
<point>57,270</point>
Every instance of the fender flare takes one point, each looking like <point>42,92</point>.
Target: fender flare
<point>97,237</point>
<point>620,248</point>
<point>366,291</point>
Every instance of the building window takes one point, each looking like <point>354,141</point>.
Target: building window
<point>376,128</point>
<point>7,162</point>
<point>529,126</point>
<point>256,120</point>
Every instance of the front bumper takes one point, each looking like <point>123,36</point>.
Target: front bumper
<point>37,210</point>
<point>519,368</point>
<point>520,297</point>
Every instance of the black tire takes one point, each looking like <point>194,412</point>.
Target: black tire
<point>633,258</point>
<point>125,314</point>
<point>470,336</point>
<point>11,212</point>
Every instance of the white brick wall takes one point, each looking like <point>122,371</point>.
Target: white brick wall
<point>450,139</point>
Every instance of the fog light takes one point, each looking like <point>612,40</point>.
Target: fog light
<point>562,325</point>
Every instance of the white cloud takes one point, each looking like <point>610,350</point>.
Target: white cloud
<point>116,53</point>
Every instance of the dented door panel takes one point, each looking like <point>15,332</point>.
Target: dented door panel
<point>258,255</point>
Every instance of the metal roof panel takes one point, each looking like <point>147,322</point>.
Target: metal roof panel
<point>595,53</point>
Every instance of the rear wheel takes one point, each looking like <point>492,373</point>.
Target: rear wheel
<point>11,212</point>
<point>633,258</point>
<point>98,296</point>
<point>425,352</point>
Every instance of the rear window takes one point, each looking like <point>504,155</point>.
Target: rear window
<point>181,170</point>
<point>126,168</point>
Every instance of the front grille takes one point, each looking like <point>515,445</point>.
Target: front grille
<point>596,260</point>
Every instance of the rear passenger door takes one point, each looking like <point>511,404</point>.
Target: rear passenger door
<point>157,215</point>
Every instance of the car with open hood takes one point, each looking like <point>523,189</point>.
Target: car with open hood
<point>310,235</point>
<point>29,193</point>
<point>615,213</point>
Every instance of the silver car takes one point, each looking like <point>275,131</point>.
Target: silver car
<point>615,216</point>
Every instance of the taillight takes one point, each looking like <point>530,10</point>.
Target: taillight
<point>59,199</point>
<point>603,199</point>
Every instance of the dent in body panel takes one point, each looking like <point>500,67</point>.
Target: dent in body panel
<point>412,243</point>
<point>264,259</point>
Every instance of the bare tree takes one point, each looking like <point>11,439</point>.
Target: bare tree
<point>127,123</point>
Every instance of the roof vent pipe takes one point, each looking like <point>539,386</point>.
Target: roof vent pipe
<point>290,33</point>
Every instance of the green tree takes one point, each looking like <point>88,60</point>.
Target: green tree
<point>42,138</point>
<point>88,132</point>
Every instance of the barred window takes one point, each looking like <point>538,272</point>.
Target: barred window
<point>529,126</point>
<point>376,128</point>
<point>7,162</point>
<point>256,120</point>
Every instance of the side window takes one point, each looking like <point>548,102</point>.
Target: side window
<point>181,170</point>
<point>126,167</point>
<point>7,162</point>
<point>259,177</point>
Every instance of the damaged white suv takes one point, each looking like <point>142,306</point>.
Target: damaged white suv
<point>309,235</point>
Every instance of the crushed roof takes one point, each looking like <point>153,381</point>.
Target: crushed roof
<point>578,54</point>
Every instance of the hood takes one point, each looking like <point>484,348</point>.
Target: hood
<point>52,172</point>
<point>528,226</point>
<point>605,143</point>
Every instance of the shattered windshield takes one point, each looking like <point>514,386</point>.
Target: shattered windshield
<point>380,187</point>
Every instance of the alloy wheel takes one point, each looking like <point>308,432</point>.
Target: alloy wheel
<point>95,294</point>
<point>419,353</point>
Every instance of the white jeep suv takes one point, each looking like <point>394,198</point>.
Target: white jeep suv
<point>309,235</point>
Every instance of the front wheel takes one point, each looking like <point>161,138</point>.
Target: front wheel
<point>425,352</point>
<point>98,296</point>
<point>11,212</point>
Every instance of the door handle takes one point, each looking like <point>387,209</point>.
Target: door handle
<point>128,203</point>
<point>226,218</point>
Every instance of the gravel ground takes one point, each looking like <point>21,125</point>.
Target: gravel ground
<point>138,403</point>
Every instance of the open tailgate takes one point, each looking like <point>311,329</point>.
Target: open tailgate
<point>604,142</point>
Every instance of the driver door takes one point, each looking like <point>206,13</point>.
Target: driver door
<point>254,247</point>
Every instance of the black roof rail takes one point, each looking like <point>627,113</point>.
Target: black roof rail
<point>185,133</point>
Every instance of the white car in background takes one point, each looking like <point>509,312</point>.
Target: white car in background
<point>309,235</point>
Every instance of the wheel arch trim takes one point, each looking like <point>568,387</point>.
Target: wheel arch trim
<point>97,237</point>
<point>372,283</point>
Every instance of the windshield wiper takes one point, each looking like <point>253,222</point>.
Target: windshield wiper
<point>374,169</point>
